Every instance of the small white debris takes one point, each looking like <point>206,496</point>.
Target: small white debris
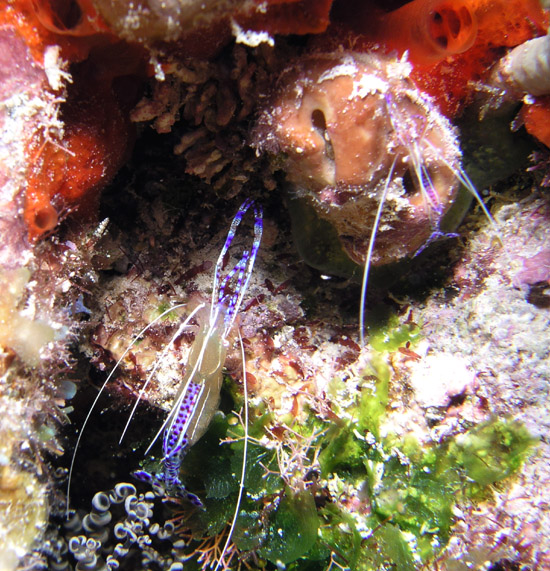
<point>346,69</point>
<point>56,68</point>
<point>368,84</point>
<point>157,66</point>
<point>250,38</point>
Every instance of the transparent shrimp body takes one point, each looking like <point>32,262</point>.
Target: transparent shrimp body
<point>198,397</point>
<point>201,386</point>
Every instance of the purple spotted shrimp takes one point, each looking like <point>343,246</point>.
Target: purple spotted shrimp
<point>198,398</point>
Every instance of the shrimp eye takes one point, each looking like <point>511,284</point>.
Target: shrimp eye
<point>410,184</point>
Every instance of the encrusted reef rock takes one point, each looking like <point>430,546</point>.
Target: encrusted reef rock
<point>27,108</point>
<point>355,135</point>
<point>23,501</point>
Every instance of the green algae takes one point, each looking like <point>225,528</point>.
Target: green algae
<point>170,315</point>
<point>409,492</point>
<point>292,530</point>
<point>370,501</point>
<point>491,452</point>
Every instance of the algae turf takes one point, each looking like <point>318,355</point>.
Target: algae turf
<point>366,503</point>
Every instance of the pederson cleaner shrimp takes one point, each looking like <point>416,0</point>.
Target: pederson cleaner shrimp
<point>198,397</point>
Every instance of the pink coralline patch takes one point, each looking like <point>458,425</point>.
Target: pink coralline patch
<point>438,379</point>
<point>536,269</point>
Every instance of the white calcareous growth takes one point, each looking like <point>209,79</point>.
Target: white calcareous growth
<point>27,336</point>
<point>437,378</point>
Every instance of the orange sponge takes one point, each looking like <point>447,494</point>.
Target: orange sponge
<point>536,118</point>
<point>70,175</point>
<point>430,30</point>
<point>452,44</point>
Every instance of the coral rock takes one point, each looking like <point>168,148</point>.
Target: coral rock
<point>26,108</point>
<point>67,143</point>
<point>352,131</point>
<point>201,29</point>
<point>23,510</point>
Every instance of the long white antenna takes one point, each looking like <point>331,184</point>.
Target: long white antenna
<point>245,454</point>
<point>134,341</point>
<point>369,255</point>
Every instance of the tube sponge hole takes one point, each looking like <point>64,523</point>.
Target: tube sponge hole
<point>67,17</point>
<point>45,218</point>
<point>40,215</point>
<point>430,30</point>
<point>436,28</point>
<point>453,27</point>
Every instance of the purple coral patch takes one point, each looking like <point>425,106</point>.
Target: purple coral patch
<point>536,269</point>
